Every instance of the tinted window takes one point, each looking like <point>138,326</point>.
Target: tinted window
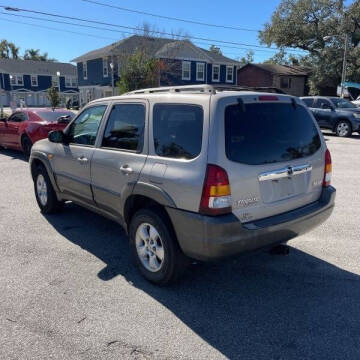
<point>54,115</point>
<point>308,101</point>
<point>322,104</point>
<point>125,127</point>
<point>342,103</point>
<point>84,129</point>
<point>269,133</point>
<point>177,130</point>
<point>17,117</point>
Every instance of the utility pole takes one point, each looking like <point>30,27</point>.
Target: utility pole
<point>343,75</point>
<point>2,85</point>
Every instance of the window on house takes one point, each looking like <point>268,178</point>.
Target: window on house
<point>105,67</point>
<point>186,70</point>
<point>285,82</point>
<point>74,82</point>
<point>200,71</point>
<point>229,74</point>
<point>34,80</point>
<point>216,73</point>
<point>55,81</point>
<point>85,70</point>
<point>20,80</point>
<point>67,81</point>
<point>13,79</point>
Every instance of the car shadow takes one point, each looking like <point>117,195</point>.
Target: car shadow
<point>257,306</point>
<point>14,154</point>
<point>333,135</point>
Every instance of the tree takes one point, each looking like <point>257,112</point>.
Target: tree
<point>7,48</point>
<point>53,96</point>
<point>34,54</point>
<point>215,49</point>
<point>138,71</point>
<point>247,59</point>
<point>304,24</point>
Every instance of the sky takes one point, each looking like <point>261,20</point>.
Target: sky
<point>64,43</point>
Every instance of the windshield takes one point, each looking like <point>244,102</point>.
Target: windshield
<point>269,133</point>
<point>342,103</point>
<point>52,116</point>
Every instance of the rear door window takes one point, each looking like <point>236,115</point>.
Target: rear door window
<point>177,130</point>
<point>269,133</point>
<point>125,127</point>
<point>308,101</point>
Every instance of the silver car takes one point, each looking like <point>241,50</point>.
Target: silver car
<point>196,172</point>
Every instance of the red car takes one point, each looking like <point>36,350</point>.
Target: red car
<point>24,127</point>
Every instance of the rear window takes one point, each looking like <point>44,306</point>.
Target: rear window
<point>52,116</point>
<point>177,130</point>
<point>269,133</point>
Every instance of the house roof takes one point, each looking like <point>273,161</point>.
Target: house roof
<point>283,69</point>
<point>12,66</point>
<point>157,47</point>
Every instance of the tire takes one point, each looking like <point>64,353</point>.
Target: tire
<point>343,128</point>
<point>45,193</point>
<point>26,145</point>
<point>165,264</point>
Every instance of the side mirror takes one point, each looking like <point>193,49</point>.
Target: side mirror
<point>65,119</point>
<point>56,136</point>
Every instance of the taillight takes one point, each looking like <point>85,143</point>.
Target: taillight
<point>216,195</point>
<point>328,168</point>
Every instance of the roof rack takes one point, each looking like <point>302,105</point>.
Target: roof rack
<point>205,89</point>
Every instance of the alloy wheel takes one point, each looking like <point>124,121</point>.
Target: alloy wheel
<point>343,129</point>
<point>149,247</point>
<point>41,189</point>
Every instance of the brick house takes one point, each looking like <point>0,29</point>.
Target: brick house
<point>185,64</point>
<point>291,79</point>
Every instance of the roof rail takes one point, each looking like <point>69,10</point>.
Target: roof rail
<point>204,89</point>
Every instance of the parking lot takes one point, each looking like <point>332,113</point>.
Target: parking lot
<point>69,289</point>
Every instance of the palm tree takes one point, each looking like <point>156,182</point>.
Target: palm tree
<point>4,49</point>
<point>14,50</point>
<point>32,54</point>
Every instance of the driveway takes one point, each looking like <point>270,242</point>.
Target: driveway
<point>69,289</point>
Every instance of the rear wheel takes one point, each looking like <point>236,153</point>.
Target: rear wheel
<point>45,193</point>
<point>26,145</point>
<point>155,248</point>
<point>343,128</point>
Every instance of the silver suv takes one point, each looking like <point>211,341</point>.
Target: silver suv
<point>197,172</point>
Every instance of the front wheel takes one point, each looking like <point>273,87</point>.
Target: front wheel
<point>45,193</point>
<point>343,128</point>
<point>155,248</point>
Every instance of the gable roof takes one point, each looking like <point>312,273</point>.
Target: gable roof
<point>13,66</point>
<point>277,69</point>
<point>157,47</point>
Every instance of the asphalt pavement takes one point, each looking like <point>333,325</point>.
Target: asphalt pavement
<point>69,290</point>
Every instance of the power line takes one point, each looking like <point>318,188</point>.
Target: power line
<point>133,28</point>
<point>169,17</point>
<point>120,31</point>
<point>51,28</point>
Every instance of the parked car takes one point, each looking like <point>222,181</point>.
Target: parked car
<point>23,128</point>
<point>190,172</point>
<point>334,113</point>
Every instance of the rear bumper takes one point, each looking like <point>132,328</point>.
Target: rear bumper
<point>208,238</point>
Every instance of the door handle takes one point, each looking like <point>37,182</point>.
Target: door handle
<point>126,169</point>
<point>82,159</point>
